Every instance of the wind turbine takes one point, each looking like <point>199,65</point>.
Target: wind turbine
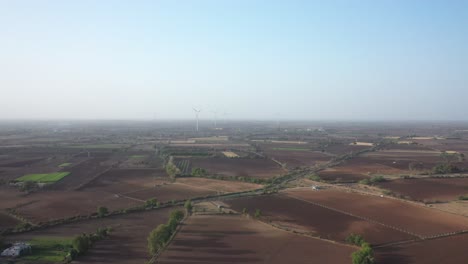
<point>197,112</point>
<point>224,115</point>
<point>215,112</point>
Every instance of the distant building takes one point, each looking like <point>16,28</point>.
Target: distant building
<point>18,249</point>
<point>316,187</point>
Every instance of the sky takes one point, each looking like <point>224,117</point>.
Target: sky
<point>250,59</point>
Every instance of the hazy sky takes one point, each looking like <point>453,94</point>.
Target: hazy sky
<point>303,59</point>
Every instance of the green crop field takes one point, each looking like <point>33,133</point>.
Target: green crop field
<point>48,249</point>
<point>44,178</point>
<point>138,156</point>
<point>66,164</point>
<point>292,149</point>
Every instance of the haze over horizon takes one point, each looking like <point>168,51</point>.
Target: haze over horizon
<point>307,60</point>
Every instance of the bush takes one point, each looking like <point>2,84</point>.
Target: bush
<point>365,255</point>
<point>445,168</point>
<point>199,172</point>
<point>151,203</point>
<point>354,239</point>
<point>463,197</point>
<point>315,177</point>
<point>258,213</point>
<point>188,206</point>
<point>373,180</point>
<point>102,211</point>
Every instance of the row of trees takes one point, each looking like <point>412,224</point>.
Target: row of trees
<point>373,180</point>
<point>82,243</point>
<point>159,237</point>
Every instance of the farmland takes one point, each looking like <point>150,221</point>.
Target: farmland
<point>390,212</point>
<point>235,239</point>
<point>43,178</point>
<point>261,195</point>
<point>428,189</point>
<point>240,167</point>
<point>300,215</point>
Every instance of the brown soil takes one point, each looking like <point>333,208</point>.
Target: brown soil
<point>428,189</point>
<point>171,191</point>
<point>126,244</point>
<point>450,250</point>
<point>7,222</point>
<point>239,167</point>
<point>298,215</point>
<point>237,239</point>
<point>218,185</point>
<point>413,218</point>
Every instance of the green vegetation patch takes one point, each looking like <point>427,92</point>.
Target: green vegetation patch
<point>66,164</point>
<point>49,249</point>
<point>292,149</point>
<point>44,178</point>
<point>138,156</point>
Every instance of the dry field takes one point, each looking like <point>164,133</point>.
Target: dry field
<point>170,191</point>
<point>7,222</point>
<point>241,167</point>
<point>428,189</point>
<point>237,239</point>
<point>127,180</point>
<point>46,206</point>
<point>294,214</point>
<point>295,158</point>
<point>126,244</point>
<point>450,250</point>
<point>217,185</point>
<point>415,219</point>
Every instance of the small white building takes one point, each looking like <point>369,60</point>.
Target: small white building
<point>316,187</point>
<point>18,249</point>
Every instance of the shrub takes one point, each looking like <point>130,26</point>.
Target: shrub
<point>373,180</point>
<point>258,213</point>
<point>354,239</point>
<point>151,203</point>
<point>463,197</point>
<point>445,168</point>
<point>102,211</point>
<point>199,172</point>
<point>188,206</point>
<point>365,255</point>
<point>314,177</point>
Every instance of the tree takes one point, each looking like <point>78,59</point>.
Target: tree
<point>449,158</point>
<point>102,211</point>
<point>445,168</point>
<point>151,203</point>
<point>81,243</point>
<point>354,239</point>
<point>188,206</point>
<point>158,238</point>
<point>178,215</point>
<point>365,255</point>
<point>199,172</point>
<point>258,213</point>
